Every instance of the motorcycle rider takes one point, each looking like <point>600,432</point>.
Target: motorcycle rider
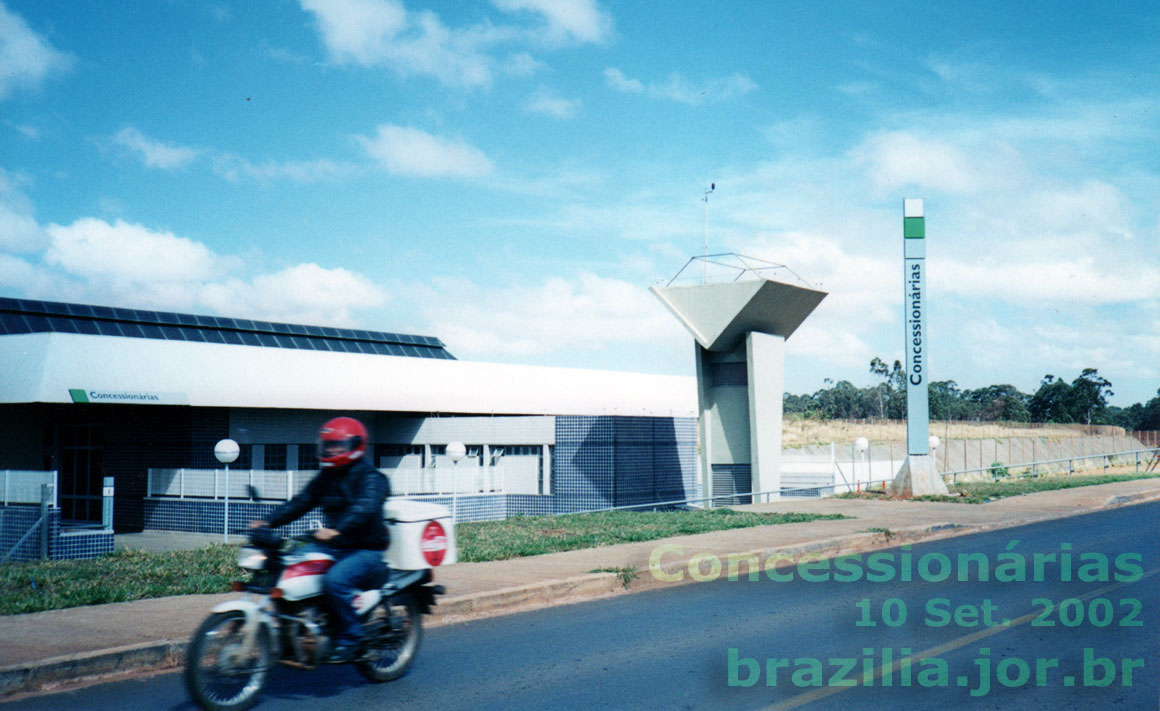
<point>351,493</point>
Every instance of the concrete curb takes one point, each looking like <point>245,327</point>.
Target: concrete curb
<point>1131,499</point>
<point>119,660</point>
<point>523,597</point>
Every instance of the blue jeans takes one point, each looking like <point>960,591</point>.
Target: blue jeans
<point>354,570</point>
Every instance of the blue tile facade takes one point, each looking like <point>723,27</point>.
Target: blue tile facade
<point>208,516</point>
<point>604,461</point>
<point>82,544</point>
<point>63,543</point>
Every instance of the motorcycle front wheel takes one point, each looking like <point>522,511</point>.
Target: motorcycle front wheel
<point>394,631</point>
<point>220,673</point>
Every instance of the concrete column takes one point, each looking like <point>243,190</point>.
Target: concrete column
<point>546,473</point>
<point>765,356</point>
<point>705,422</point>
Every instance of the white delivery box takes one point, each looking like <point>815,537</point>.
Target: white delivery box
<point>422,535</point>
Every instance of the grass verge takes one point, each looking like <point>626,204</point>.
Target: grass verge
<point>117,577</point>
<point>522,536</point>
<point>136,575</point>
<point>984,491</point>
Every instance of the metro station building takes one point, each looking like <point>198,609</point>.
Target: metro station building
<point>91,392</point>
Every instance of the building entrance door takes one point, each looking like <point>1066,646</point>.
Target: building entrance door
<point>76,452</point>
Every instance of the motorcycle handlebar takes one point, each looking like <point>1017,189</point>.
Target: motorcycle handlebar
<point>264,537</point>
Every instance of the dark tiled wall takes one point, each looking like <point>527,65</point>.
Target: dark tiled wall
<point>16,520</point>
<point>623,461</point>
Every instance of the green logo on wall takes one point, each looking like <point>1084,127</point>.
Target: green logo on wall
<point>78,395</point>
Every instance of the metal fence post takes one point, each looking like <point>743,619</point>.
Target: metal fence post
<point>45,498</point>
<point>107,504</point>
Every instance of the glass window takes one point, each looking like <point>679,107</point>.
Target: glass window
<point>307,456</point>
<point>275,457</point>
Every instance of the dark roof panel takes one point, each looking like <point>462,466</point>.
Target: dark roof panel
<point>19,316</point>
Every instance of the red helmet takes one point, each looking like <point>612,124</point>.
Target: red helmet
<point>341,441</point>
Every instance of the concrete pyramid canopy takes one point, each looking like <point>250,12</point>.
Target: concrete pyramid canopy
<point>719,315</point>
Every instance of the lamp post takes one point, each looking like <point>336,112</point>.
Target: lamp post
<point>455,452</point>
<point>934,442</point>
<point>226,451</point>
<point>861,445</point>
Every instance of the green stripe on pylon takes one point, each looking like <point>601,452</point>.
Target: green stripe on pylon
<point>914,227</point>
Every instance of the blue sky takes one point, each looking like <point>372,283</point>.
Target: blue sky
<point>511,176</point>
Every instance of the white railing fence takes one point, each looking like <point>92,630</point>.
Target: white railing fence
<point>444,478</point>
<point>23,487</point>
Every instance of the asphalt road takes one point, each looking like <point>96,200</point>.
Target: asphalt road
<point>1081,634</point>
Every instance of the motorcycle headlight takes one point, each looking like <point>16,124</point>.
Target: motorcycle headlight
<point>251,559</point>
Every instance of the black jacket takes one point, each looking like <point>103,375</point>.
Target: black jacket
<point>352,499</point>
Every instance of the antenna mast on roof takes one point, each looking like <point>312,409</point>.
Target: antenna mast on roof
<point>705,249</point>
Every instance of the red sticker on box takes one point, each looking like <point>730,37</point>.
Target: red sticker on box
<point>434,543</point>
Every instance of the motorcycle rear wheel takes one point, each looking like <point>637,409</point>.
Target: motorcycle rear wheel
<point>219,675</point>
<point>394,631</point>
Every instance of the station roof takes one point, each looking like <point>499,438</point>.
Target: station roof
<point>28,316</point>
<point>55,366</point>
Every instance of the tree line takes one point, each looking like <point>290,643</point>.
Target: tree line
<point>1084,400</point>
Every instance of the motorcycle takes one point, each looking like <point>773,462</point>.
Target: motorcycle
<point>284,616</point>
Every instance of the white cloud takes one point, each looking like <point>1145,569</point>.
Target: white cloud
<point>618,81</point>
<point>1048,281</point>
<point>234,169</point>
<point>584,313</point>
<point>152,152</point>
<point>900,159</point>
<point>409,151</point>
<point>25,277</point>
<point>130,265</point>
<point>579,20</point>
<point>19,230</point>
<point>680,89</point>
<point>383,33</point>
<point>544,102</point>
<point>304,293</point>
<point>126,254</point>
<point>26,59</point>
<point>522,64</point>
<point>32,133</point>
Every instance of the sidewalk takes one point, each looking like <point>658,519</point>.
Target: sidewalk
<point>45,648</point>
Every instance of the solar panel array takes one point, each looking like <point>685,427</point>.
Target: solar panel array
<point>28,316</point>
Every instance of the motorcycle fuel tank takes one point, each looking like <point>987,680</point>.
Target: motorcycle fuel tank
<point>422,535</point>
<point>302,577</point>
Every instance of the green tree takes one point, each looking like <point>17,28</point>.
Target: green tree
<point>1051,402</point>
<point>1088,398</point>
<point>946,400</point>
<point>1000,403</point>
<point>888,397</point>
